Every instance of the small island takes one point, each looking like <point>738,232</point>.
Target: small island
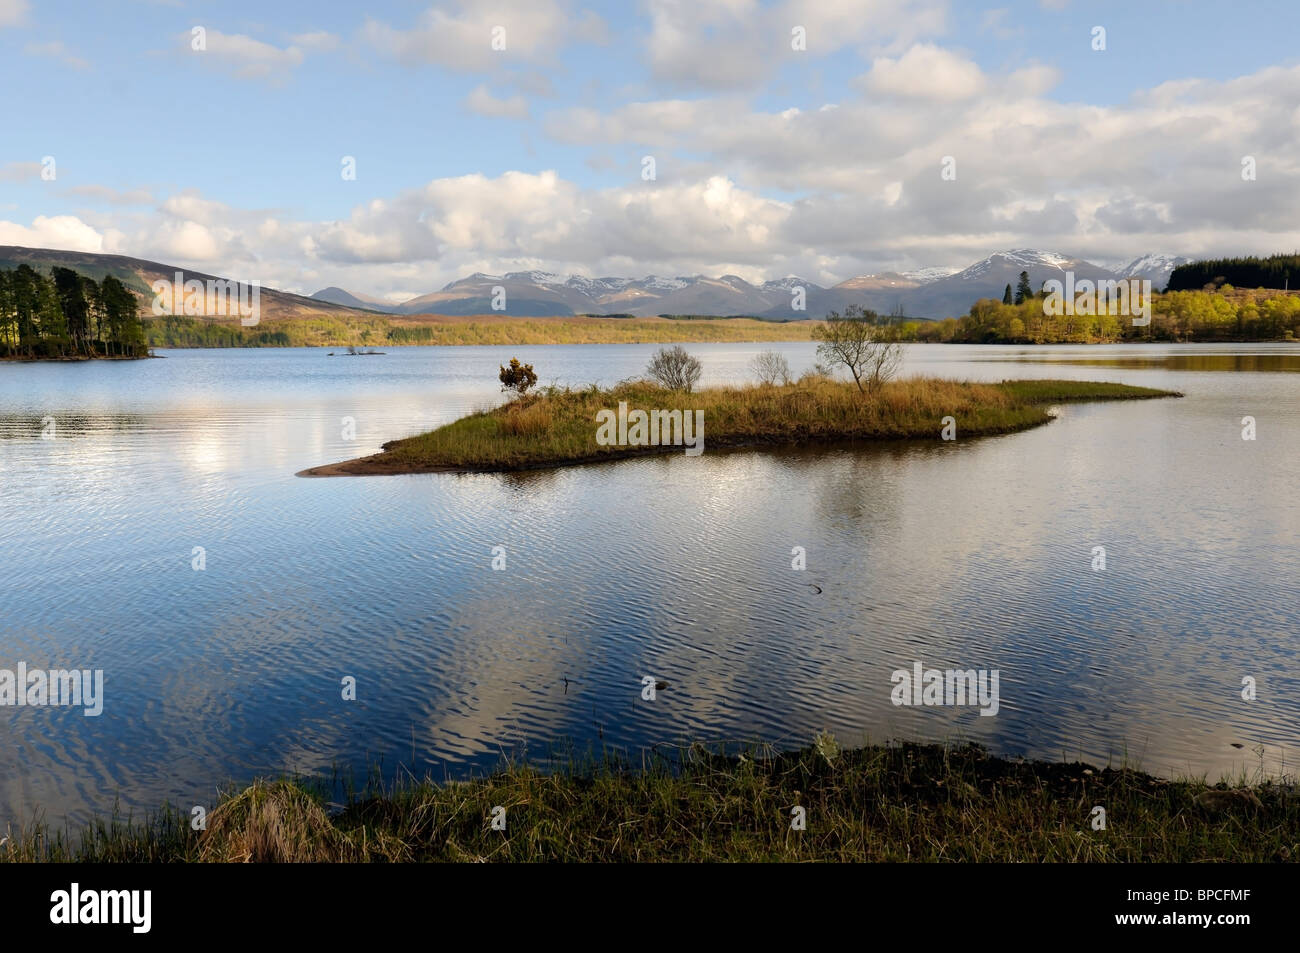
<point>66,316</point>
<point>353,351</point>
<point>663,413</point>
<point>559,427</point>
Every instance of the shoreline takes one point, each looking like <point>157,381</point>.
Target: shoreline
<point>381,464</point>
<point>898,801</point>
<point>693,341</point>
<point>78,359</point>
<point>557,429</point>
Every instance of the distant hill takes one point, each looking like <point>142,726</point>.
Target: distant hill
<point>139,274</point>
<point>338,296</point>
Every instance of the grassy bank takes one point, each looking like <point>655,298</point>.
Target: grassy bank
<point>340,331</point>
<point>558,427</point>
<point>878,803</point>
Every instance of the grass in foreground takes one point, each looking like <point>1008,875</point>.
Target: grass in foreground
<point>878,803</point>
<point>557,426</point>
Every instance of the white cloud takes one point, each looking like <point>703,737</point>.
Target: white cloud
<point>186,241</point>
<point>58,231</point>
<point>191,206</point>
<point>826,191</point>
<point>925,72</point>
<point>482,102</point>
<point>247,57</point>
<point>737,44</point>
<point>530,31</point>
<point>13,12</point>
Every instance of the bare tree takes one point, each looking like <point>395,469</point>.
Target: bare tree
<point>771,367</point>
<point>674,368</point>
<point>868,346</point>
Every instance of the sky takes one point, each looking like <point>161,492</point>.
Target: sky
<point>391,147</point>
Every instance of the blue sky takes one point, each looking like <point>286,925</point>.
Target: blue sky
<point>769,161</point>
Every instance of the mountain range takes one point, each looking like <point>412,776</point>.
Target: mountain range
<point>928,293</point>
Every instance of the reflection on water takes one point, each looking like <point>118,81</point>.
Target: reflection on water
<point>974,554</point>
<point>1181,361</point>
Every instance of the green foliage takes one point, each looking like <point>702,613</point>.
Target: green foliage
<point>1275,271</point>
<point>1175,316</point>
<point>67,315</point>
<point>321,331</point>
<point>1024,290</point>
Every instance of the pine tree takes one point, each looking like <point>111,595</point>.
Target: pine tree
<point>1006,295</point>
<point>95,301</point>
<point>52,326</point>
<point>125,334</point>
<point>1024,291</point>
<point>26,282</point>
<point>75,308</point>
<point>8,315</point>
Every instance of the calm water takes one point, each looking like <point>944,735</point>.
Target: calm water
<point>974,554</point>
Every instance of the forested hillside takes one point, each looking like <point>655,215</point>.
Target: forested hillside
<point>1275,271</point>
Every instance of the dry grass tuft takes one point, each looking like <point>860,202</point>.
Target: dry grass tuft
<point>275,822</point>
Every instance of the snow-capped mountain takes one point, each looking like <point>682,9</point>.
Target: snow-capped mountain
<point>1157,268</point>
<point>1018,260</point>
<point>924,276</point>
<point>953,295</point>
<point>925,292</point>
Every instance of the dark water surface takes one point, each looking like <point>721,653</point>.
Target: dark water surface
<point>974,554</point>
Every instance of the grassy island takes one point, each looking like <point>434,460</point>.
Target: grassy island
<point>900,802</point>
<point>558,427</point>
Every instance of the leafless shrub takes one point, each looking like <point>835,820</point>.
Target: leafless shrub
<point>673,368</point>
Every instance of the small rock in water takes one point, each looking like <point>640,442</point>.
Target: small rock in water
<point>660,686</point>
<point>1236,744</point>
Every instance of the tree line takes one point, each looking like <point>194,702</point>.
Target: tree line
<point>67,315</point>
<point>1275,271</point>
<point>1227,315</point>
